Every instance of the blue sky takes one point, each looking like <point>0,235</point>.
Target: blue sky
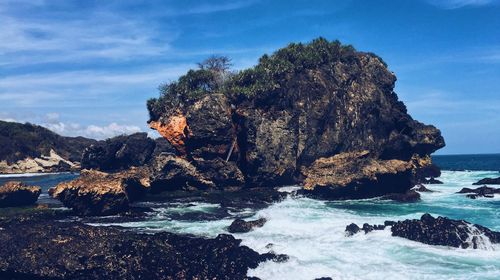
<point>87,67</point>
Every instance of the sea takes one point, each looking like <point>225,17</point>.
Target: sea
<point>312,232</point>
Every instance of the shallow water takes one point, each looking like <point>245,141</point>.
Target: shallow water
<point>312,233</point>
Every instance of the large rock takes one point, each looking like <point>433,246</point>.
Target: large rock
<point>18,194</point>
<point>303,104</point>
<point>488,181</point>
<point>356,175</point>
<point>48,249</point>
<point>119,153</point>
<point>171,173</point>
<point>99,193</point>
<point>242,226</point>
<point>445,232</point>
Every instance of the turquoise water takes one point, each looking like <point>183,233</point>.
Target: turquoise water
<point>312,233</point>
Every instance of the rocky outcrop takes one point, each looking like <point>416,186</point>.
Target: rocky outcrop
<point>99,193</point>
<point>421,188</point>
<point>445,232</point>
<point>483,191</point>
<point>242,226</point>
<point>408,196</point>
<point>353,228</point>
<point>28,148</point>
<point>356,175</point>
<point>284,119</point>
<point>119,153</point>
<point>48,249</point>
<point>488,181</point>
<point>13,194</point>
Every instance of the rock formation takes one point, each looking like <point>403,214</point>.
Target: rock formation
<point>28,148</point>
<point>99,193</point>
<point>41,248</point>
<point>483,191</point>
<point>445,232</point>
<point>488,181</point>
<point>299,110</point>
<point>242,226</point>
<point>13,194</point>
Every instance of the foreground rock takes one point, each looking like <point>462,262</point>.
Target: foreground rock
<point>488,181</point>
<point>242,226</point>
<point>483,191</point>
<point>15,193</point>
<point>356,175</point>
<point>45,249</point>
<point>445,232</point>
<point>99,193</point>
<point>280,126</point>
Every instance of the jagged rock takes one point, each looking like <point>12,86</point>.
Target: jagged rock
<point>426,170</point>
<point>241,226</point>
<point>408,196</point>
<point>389,223</point>
<point>162,146</point>
<point>286,119</point>
<point>13,194</point>
<point>119,153</point>
<point>47,249</point>
<point>356,175</point>
<point>445,232</point>
<point>222,173</point>
<point>353,228</point>
<point>431,181</point>
<point>488,181</point>
<point>421,188</point>
<point>170,173</point>
<point>99,193</point>
<point>483,191</point>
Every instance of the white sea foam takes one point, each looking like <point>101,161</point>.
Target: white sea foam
<point>20,175</point>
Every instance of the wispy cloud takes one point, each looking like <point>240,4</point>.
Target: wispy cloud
<point>455,4</point>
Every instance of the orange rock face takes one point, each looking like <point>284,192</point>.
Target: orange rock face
<point>175,131</point>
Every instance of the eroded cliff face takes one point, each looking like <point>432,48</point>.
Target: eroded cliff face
<point>341,103</point>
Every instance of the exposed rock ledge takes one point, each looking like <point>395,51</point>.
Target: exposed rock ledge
<point>42,248</point>
<point>18,194</point>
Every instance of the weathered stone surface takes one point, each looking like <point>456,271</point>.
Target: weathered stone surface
<point>15,193</point>
<point>445,232</point>
<point>174,129</point>
<point>119,153</point>
<point>242,226</point>
<point>488,181</point>
<point>99,193</point>
<point>408,196</point>
<point>483,191</point>
<point>284,123</point>
<point>170,173</point>
<point>47,249</point>
<point>222,173</point>
<point>356,175</point>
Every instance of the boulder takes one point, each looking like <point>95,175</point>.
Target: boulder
<point>96,193</point>
<point>170,173</point>
<point>353,228</point>
<point>356,175</point>
<point>119,153</point>
<point>14,193</point>
<point>241,226</point>
<point>224,174</point>
<point>421,188</point>
<point>488,181</point>
<point>445,232</point>
<point>483,191</point>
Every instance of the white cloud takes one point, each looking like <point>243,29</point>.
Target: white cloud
<point>92,131</point>
<point>455,4</point>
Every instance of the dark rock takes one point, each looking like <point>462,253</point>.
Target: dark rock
<point>274,124</point>
<point>488,181</point>
<point>241,226</point>
<point>389,223</point>
<point>13,194</point>
<point>47,249</point>
<point>119,153</point>
<point>280,258</point>
<point>431,181</point>
<point>444,231</point>
<point>170,173</point>
<point>425,171</point>
<point>421,188</point>
<point>356,175</point>
<point>324,278</point>
<point>162,146</point>
<point>409,196</point>
<point>99,193</point>
<point>223,173</point>
<point>352,229</point>
<point>483,191</point>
